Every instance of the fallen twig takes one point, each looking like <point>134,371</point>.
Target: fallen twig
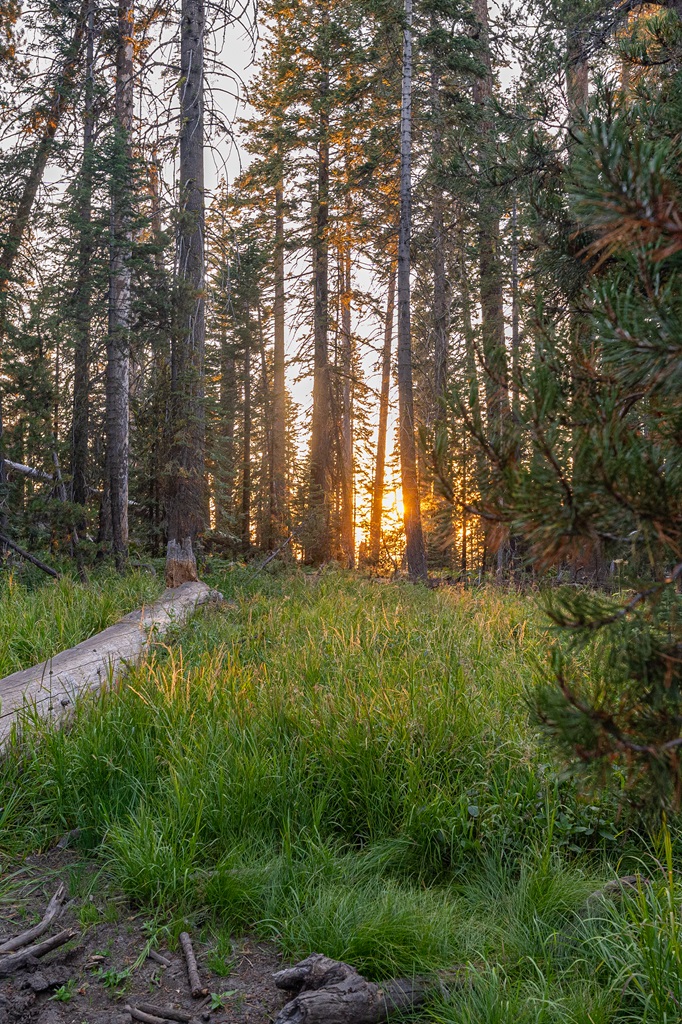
<point>195,985</point>
<point>14,961</point>
<point>167,1012</point>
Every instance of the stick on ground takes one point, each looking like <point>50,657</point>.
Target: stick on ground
<point>146,1018</point>
<point>54,909</point>
<point>14,961</point>
<point>195,985</point>
<point>167,1012</point>
<point>158,959</point>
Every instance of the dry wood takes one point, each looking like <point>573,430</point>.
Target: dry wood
<point>331,992</point>
<point>36,474</point>
<point>146,1018</point>
<point>167,1012</point>
<point>29,557</point>
<point>157,958</point>
<point>14,961</point>
<point>49,687</point>
<point>195,985</point>
<point>54,909</point>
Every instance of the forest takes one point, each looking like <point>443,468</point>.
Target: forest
<point>356,324</point>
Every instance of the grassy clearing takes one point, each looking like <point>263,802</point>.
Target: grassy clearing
<point>38,622</point>
<point>347,767</point>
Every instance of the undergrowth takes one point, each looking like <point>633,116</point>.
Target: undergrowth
<point>347,767</point>
<point>37,622</point>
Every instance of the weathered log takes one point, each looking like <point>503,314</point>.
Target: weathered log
<point>54,909</point>
<point>48,688</point>
<point>196,988</point>
<point>167,1012</point>
<point>14,961</point>
<point>331,992</point>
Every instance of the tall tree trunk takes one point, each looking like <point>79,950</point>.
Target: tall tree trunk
<point>440,298</point>
<point>186,485</point>
<point>265,517</point>
<point>48,121</point>
<point>380,464</point>
<point>492,308</point>
<point>347,488</point>
<point>118,339</point>
<point>228,404</point>
<point>516,337</point>
<point>279,480</point>
<point>415,551</point>
<point>321,496</point>
<point>246,451</point>
<point>83,291</point>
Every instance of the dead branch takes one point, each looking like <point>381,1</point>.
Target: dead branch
<point>157,958</point>
<point>146,1018</point>
<point>54,910</point>
<point>12,963</point>
<point>195,985</point>
<point>167,1012</point>
<point>29,557</point>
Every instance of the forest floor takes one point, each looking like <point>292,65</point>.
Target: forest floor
<point>326,765</point>
<point>106,967</point>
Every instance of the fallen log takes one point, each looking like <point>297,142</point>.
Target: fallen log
<point>14,961</point>
<point>54,909</point>
<point>331,992</point>
<point>45,690</point>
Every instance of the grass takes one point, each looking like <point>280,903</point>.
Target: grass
<point>38,622</point>
<point>347,767</point>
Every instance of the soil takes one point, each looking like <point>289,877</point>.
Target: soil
<point>94,977</point>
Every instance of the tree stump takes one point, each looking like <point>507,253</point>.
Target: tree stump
<point>330,992</point>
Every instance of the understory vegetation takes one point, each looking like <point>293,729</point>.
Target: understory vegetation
<point>39,621</point>
<point>351,767</point>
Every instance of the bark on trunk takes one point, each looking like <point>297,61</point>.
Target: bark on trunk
<point>380,464</point>
<point>246,453</point>
<point>118,339</point>
<point>83,291</point>
<point>279,480</point>
<point>415,551</point>
<point>440,297</point>
<point>186,486</point>
<point>265,519</point>
<point>347,489</point>
<point>321,495</point>
<point>228,405</point>
<point>492,308</point>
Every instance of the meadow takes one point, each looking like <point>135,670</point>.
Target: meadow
<point>350,767</point>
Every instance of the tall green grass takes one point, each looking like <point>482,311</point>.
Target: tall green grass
<point>38,622</point>
<point>348,767</point>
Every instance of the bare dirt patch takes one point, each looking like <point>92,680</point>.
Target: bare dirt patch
<point>93,978</point>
